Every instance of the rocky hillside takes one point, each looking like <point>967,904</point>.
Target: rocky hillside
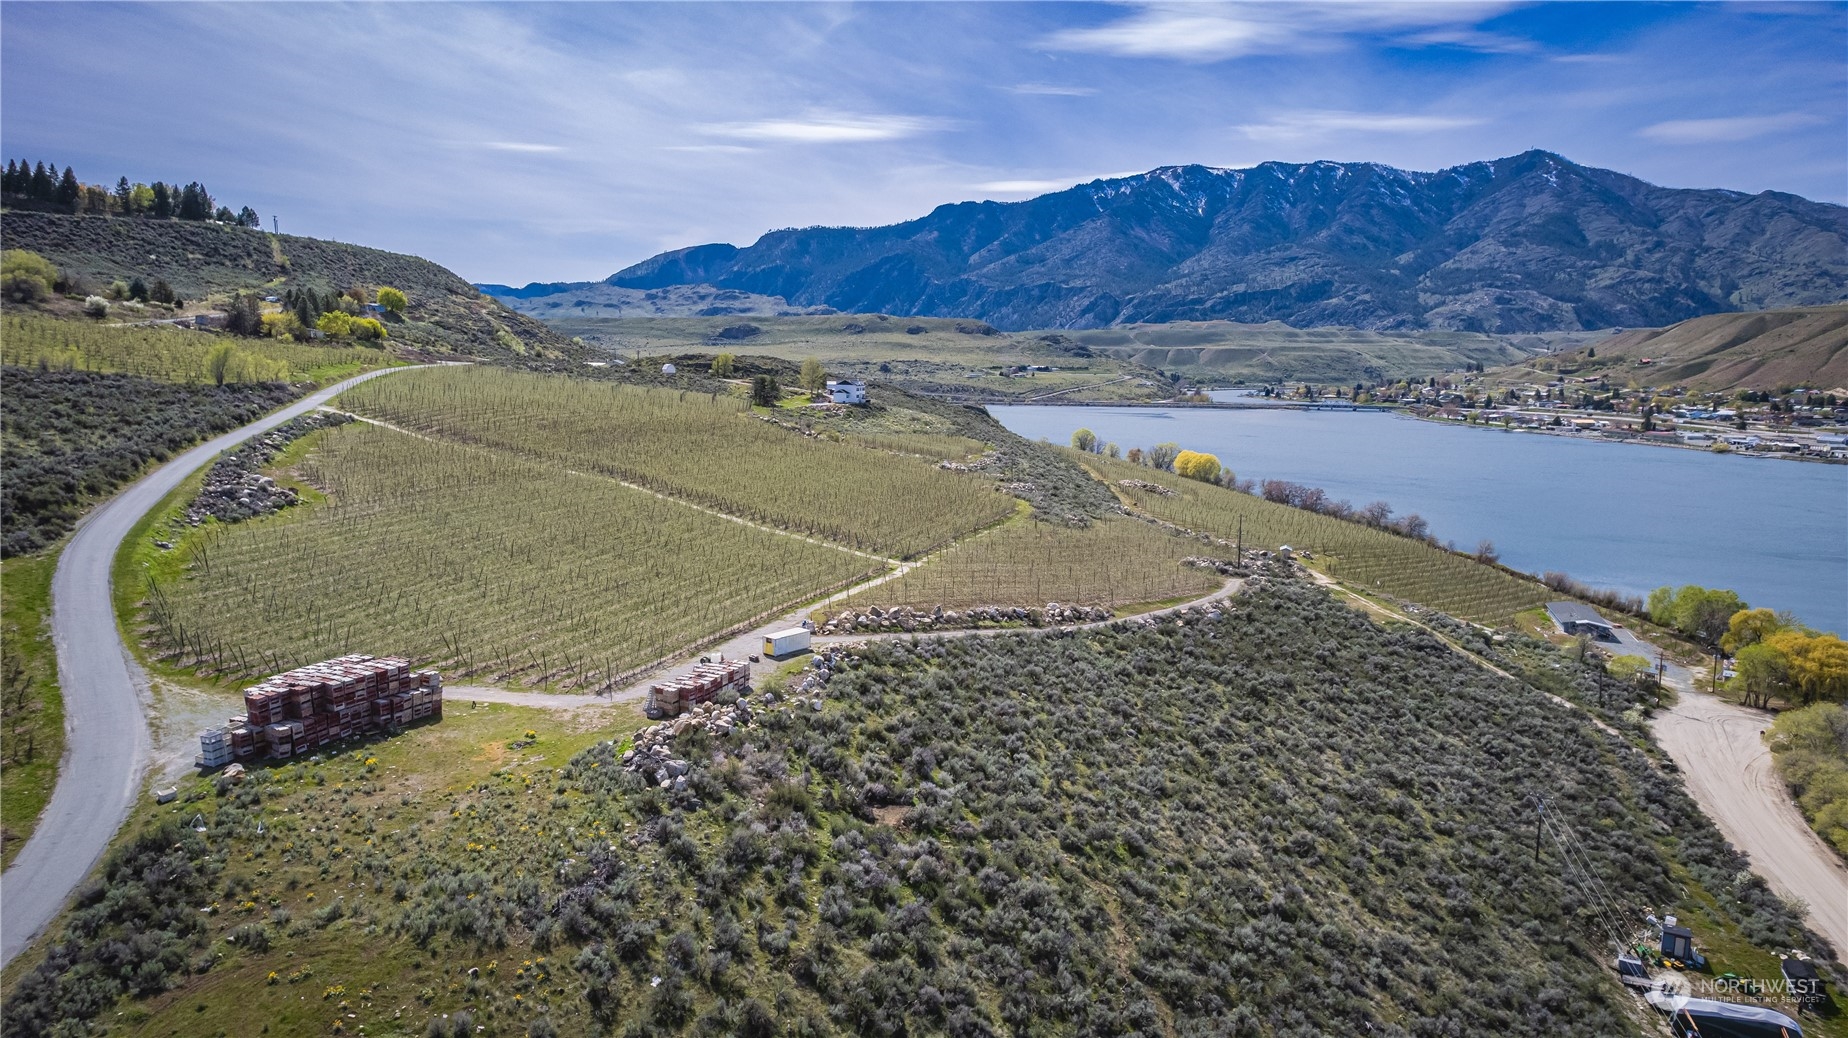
<point>1723,352</point>
<point>202,260</point>
<point>1528,243</point>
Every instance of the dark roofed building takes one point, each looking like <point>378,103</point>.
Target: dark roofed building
<point>1578,618</point>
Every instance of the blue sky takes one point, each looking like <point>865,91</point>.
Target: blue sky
<point>561,142</point>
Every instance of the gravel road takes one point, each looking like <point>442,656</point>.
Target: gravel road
<point>107,745</point>
<point>1729,773</point>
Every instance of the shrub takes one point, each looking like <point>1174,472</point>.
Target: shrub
<point>95,306</point>
<point>393,299</point>
<point>26,276</point>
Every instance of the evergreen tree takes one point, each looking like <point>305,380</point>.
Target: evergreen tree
<point>11,177</point>
<point>42,186</point>
<point>124,196</point>
<point>161,292</point>
<point>138,289</point>
<point>244,316</point>
<point>69,190</point>
<point>764,391</point>
<point>163,202</point>
<point>247,217</point>
<point>305,307</point>
<point>224,215</point>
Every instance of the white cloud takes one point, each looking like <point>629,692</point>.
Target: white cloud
<point>830,129</point>
<point>520,146</point>
<point>1023,187</point>
<point>710,149</point>
<point>1216,32</point>
<point>1470,39</point>
<point>1723,130</point>
<point>1053,90</point>
<point>1295,126</point>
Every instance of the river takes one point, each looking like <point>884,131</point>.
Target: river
<point>1622,516</point>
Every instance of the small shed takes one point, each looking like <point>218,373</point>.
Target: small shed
<point>1801,982</point>
<point>1578,618</point>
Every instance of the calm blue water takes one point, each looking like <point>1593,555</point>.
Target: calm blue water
<point>1627,517</point>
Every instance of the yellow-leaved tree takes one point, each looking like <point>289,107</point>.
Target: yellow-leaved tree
<point>1197,465</point>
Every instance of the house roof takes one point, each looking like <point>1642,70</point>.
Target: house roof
<point>1575,612</point>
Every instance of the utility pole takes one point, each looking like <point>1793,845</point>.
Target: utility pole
<point>1241,540</point>
<point>1539,819</point>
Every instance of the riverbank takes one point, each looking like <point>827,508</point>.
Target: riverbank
<point>1629,521</point>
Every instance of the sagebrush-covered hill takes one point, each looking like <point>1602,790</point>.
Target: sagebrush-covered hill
<point>200,260</point>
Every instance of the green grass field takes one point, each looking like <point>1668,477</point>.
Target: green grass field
<point>707,449</point>
<point>1371,559</point>
<point>172,354</point>
<point>31,710</point>
<point>1114,562</point>
<point>485,563</point>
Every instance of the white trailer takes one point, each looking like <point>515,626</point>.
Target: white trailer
<point>786,643</point>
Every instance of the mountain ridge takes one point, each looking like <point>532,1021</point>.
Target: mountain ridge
<point>1532,242</point>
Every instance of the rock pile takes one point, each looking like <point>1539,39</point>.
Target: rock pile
<point>234,488</point>
<point>1223,567</point>
<point>1142,484</point>
<point>907,619</point>
<point>652,756</point>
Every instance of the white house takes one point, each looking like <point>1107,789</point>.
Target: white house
<point>844,392</point>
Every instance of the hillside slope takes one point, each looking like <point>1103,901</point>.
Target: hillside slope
<point>596,299</point>
<point>1723,352</point>
<point>1528,243</point>
<point>1212,351</point>
<point>446,313</point>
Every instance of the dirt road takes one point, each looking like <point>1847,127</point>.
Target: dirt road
<point>744,644</point>
<point>1728,771</point>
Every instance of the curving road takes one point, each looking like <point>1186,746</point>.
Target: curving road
<point>1729,771</point>
<point>106,731</point>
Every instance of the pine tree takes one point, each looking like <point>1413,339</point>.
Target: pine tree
<point>69,190</point>
<point>125,196</point>
<point>195,202</point>
<point>163,202</point>
<point>42,186</point>
<point>11,177</point>
<point>247,217</point>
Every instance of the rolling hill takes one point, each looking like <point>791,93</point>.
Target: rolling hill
<point>1772,350</point>
<point>1533,242</point>
<point>202,260</point>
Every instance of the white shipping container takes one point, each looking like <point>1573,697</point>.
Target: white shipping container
<point>784,643</point>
